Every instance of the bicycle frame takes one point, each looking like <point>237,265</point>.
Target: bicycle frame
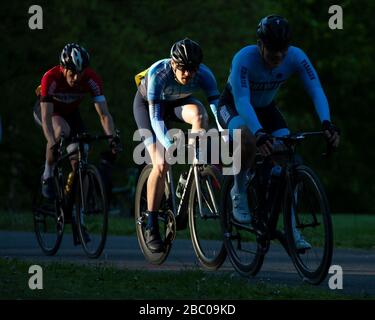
<point>270,208</point>
<point>83,140</point>
<point>192,174</point>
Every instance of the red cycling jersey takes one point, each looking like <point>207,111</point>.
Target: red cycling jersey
<point>65,98</point>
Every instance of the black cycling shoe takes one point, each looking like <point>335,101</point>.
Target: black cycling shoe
<point>153,239</point>
<point>48,188</point>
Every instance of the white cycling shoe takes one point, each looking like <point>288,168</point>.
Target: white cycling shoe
<point>300,242</point>
<point>241,212</point>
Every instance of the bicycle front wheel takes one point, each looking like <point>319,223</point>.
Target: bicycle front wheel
<point>48,219</point>
<point>245,250</point>
<point>205,229</point>
<point>91,212</point>
<point>167,222</point>
<point>307,216</point>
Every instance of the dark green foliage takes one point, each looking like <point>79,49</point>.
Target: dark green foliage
<point>125,37</point>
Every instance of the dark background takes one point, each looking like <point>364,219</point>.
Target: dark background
<point>125,37</point>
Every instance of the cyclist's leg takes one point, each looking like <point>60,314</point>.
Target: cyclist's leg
<point>59,125</point>
<point>76,126</point>
<point>155,192</point>
<point>272,120</point>
<point>229,119</point>
<point>273,123</point>
<point>192,111</point>
<point>156,179</point>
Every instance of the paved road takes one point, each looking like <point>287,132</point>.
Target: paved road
<point>123,252</point>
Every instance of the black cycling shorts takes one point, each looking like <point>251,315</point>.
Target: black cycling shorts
<point>170,111</point>
<point>73,119</point>
<point>269,117</point>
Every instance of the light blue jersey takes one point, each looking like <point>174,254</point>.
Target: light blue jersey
<point>159,85</point>
<point>252,84</point>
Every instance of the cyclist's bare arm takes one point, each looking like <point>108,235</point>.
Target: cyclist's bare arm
<point>46,114</point>
<point>105,117</point>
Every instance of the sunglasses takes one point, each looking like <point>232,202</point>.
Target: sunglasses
<point>183,68</point>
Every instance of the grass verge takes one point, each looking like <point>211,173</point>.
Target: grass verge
<point>70,281</point>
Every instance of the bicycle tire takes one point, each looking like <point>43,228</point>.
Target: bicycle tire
<point>211,252</point>
<point>51,209</point>
<point>304,185</point>
<point>92,222</point>
<point>244,265</point>
<point>167,231</point>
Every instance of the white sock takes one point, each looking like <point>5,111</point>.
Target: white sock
<point>48,171</point>
<point>240,181</point>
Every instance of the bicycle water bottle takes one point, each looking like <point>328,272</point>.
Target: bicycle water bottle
<point>273,184</point>
<point>181,184</point>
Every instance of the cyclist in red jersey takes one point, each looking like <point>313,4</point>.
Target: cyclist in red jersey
<point>61,91</point>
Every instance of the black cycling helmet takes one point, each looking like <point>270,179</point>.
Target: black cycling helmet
<point>274,31</point>
<point>187,54</point>
<point>74,57</point>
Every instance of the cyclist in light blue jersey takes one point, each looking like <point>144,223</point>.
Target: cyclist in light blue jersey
<point>247,102</point>
<point>165,92</point>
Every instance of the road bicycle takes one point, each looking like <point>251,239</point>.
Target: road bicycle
<point>80,200</point>
<point>198,206</point>
<point>281,184</point>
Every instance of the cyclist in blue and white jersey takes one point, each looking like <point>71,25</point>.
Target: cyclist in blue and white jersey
<point>247,102</point>
<point>165,92</point>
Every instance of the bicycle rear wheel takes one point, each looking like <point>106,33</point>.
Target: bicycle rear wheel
<point>48,219</point>
<point>306,210</point>
<point>167,222</point>
<point>205,231</point>
<point>91,212</point>
<point>244,248</point>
